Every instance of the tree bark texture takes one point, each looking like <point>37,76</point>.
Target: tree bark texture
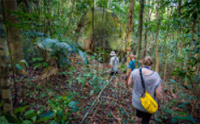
<point>140,28</point>
<point>156,39</point>
<point>166,56</point>
<point>13,35</point>
<point>92,44</point>
<point>165,69</point>
<point>4,72</point>
<point>70,18</point>
<point>129,37</point>
<point>148,17</point>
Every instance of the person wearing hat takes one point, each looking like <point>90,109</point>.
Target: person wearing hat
<point>114,63</point>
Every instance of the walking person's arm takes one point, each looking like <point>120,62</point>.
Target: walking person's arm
<point>159,94</point>
<point>110,63</point>
<point>130,81</point>
<point>129,71</point>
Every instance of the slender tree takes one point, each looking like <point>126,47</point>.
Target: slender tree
<point>4,72</point>
<point>13,35</point>
<point>166,50</point>
<point>129,38</point>
<point>148,17</point>
<point>92,44</point>
<point>179,29</point>
<point>156,39</point>
<point>140,28</point>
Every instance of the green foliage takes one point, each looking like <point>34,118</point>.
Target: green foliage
<point>62,108</point>
<point>3,120</point>
<point>20,110</point>
<point>39,62</point>
<point>166,113</point>
<point>60,112</point>
<point>189,72</point>
<point>186,117</point>
<point>175,111</point>
<point>52,25</point>
<point>18,67</point>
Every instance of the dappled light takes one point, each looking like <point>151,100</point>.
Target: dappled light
<point>99,61</point>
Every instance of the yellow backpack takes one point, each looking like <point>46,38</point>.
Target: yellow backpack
<point>147,101</point>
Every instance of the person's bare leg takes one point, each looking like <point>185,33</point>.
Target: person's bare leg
<point>138,120</point>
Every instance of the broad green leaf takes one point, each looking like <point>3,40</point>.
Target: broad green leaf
<point>177,118</point>
<point>24,62</point>
<point>72,104</point>
<point>34,118</point>
<point>91,92</point>
<point>43,119</point>
<point>47,114</point>
<point>27,122</point>
<point>53,122</point>
<point>20,109</point>
<point>37,66</point>
<point>18,67</point>
<point>3,120</point>
<point>30,113</point>
<point>37,60</point>
<point>183,105</point>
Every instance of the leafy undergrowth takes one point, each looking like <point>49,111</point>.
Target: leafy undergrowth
<point>65,97</point>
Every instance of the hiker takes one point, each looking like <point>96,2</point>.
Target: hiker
<point>131,65</point>
<point>114,63</point>
<point>152,82</point>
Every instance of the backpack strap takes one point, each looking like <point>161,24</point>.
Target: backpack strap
<point>116,60</point>
<point>142,79</point>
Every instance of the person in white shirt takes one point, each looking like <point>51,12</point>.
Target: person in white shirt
<point>114,63</point>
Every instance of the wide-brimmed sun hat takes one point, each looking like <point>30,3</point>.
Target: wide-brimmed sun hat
<point>113,53</point>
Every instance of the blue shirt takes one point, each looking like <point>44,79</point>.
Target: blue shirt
<point>131,65</point>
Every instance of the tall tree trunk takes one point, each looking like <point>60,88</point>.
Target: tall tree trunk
<point>165,68</point>
<point>166,57</point>
<point>45,13</point>
<point>4,72</point>
<point>14,40</point>
<point>166,49</point>
<point>140,28</point>
<point>179,44</point>
<point>148,17</point>
<point>92,43</point>
<point>49,28</point>
<point>156,40</point>
<point>189,65</point>
<point>129,38</point>
<point>70,19</point>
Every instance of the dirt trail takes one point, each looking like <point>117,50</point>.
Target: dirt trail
<point>114,106</point>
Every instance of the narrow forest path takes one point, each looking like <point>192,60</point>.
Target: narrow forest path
<point>82,85</point>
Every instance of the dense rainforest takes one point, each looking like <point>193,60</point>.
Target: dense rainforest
<point>54,59</point>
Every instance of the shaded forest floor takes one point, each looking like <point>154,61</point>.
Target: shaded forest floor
<point>82,85</point>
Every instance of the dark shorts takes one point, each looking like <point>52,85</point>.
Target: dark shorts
<point>113,73</point>
<point>145,116</point>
